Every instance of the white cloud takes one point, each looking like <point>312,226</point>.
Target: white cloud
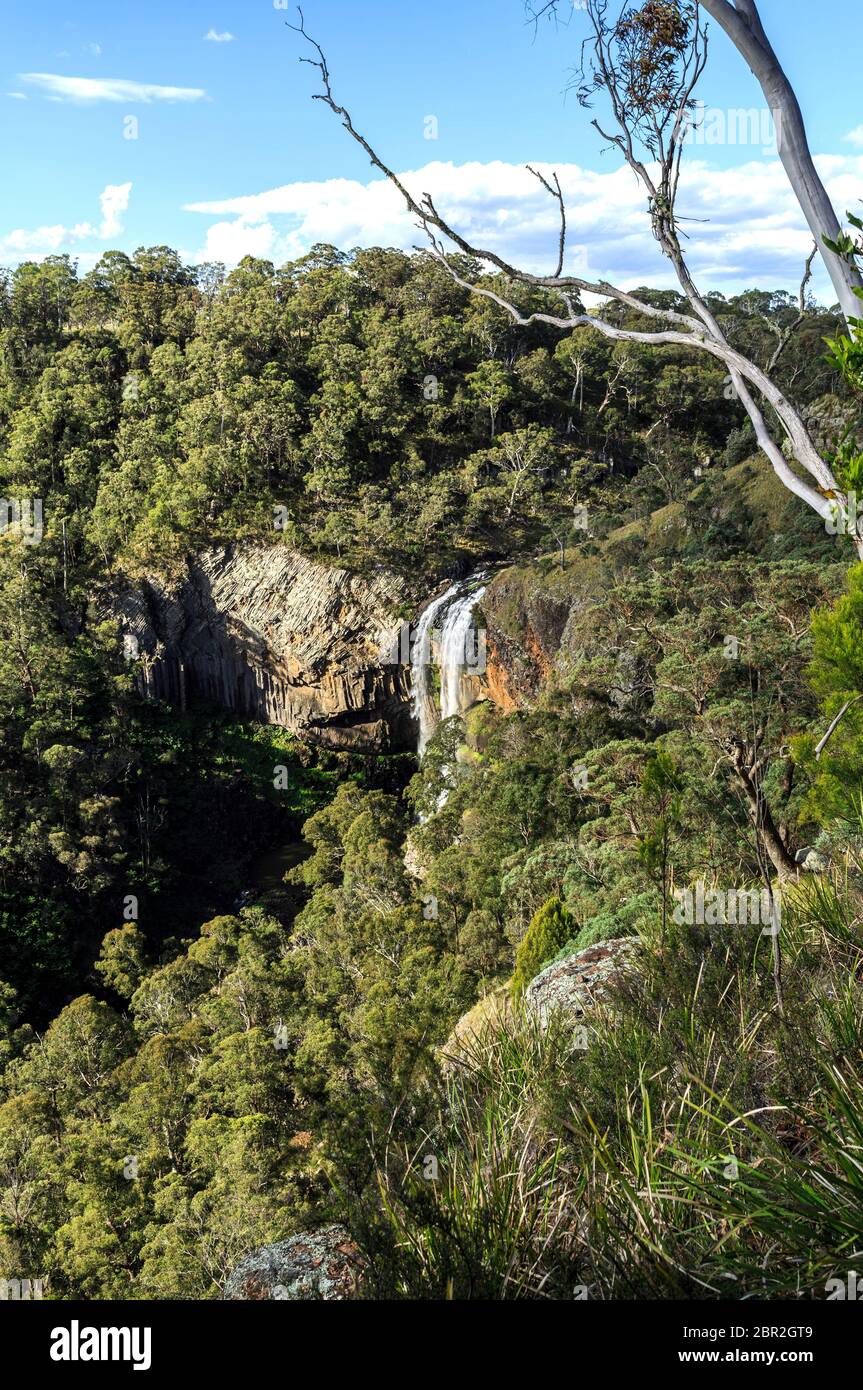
<point>93,89</point>
<point>113,200</point>
<point>213,36</point>
<point>94,49</point>
<point>746,227</point>
<point>231,241</point>
<point>855,136</point>
<point>17,96</point>
<point>45,241</point>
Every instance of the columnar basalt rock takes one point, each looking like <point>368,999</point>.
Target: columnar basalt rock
<point>264,632</point>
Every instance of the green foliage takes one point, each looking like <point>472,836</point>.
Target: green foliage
<point>123,959</point>
<point>549,930</point>
<point>194,1091</point>
<point>634,915</point>
<point>687,1150</point>
<point>836,674</point>
<point>490,1220</point>
<point>837,655</point>
<point>390,412</point>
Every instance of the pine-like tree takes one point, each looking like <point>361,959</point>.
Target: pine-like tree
<point>550,929</point>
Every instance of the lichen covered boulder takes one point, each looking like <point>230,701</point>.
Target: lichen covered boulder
<point>582,981</point>
<point>324,1264</point>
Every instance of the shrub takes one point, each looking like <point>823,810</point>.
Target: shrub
<point>628,919</point>
<point>739,445</point>
<point>552,926</point>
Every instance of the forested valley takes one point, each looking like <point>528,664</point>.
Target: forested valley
<point>195,1065</point>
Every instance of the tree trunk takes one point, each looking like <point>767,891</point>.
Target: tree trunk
<point>742,24</point>
<point>765,826</point>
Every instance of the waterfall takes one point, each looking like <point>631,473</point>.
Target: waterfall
<point>422,701</point>
<point>454,607</point>
<point>455,656</point>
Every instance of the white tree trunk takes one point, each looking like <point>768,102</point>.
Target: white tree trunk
<point>742,23</point>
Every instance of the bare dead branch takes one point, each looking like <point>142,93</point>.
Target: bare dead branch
<point>557,194</point>
<point>787,334</point>
<point>428,215</point>
<point>834,724</point>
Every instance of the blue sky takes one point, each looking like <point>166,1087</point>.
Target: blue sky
<point>226,126</point>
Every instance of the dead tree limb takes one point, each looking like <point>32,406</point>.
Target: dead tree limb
<point>656,119</point>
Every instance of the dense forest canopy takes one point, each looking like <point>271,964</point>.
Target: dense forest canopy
<point>156,409</point>
<point>186,1074</point>
<point>370,396</point>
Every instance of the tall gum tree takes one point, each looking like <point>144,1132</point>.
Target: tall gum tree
<point>646,64</point>
<point>742,23</point>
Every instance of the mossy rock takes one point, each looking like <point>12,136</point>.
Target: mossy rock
<point>314,1265</point>
<point>581,983</point>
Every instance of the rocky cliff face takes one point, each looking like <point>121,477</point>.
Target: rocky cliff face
<point>526,619</point>
<point>267,634</point>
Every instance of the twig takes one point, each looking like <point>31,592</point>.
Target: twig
<point>787,333</point>
<point>558,197</point>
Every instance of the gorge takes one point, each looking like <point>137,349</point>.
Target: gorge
<point>270,635</point>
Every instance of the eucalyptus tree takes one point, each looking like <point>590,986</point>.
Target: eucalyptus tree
<point>742,23</point>
<point>646,64</point>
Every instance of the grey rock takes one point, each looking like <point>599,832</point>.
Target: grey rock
<point>323,1264</point>
<point>578,984</point>
<point>260,630</point>
<point>812,861</point>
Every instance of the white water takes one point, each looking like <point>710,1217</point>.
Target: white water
<point>454,652</point>
<point>456,607</point>
<point>422,701</point>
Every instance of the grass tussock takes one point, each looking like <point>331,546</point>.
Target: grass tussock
<point>704,1144</point>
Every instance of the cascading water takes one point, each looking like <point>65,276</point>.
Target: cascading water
<point>422,700</point>
<point>447,618</point>
<point>459,652</point>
